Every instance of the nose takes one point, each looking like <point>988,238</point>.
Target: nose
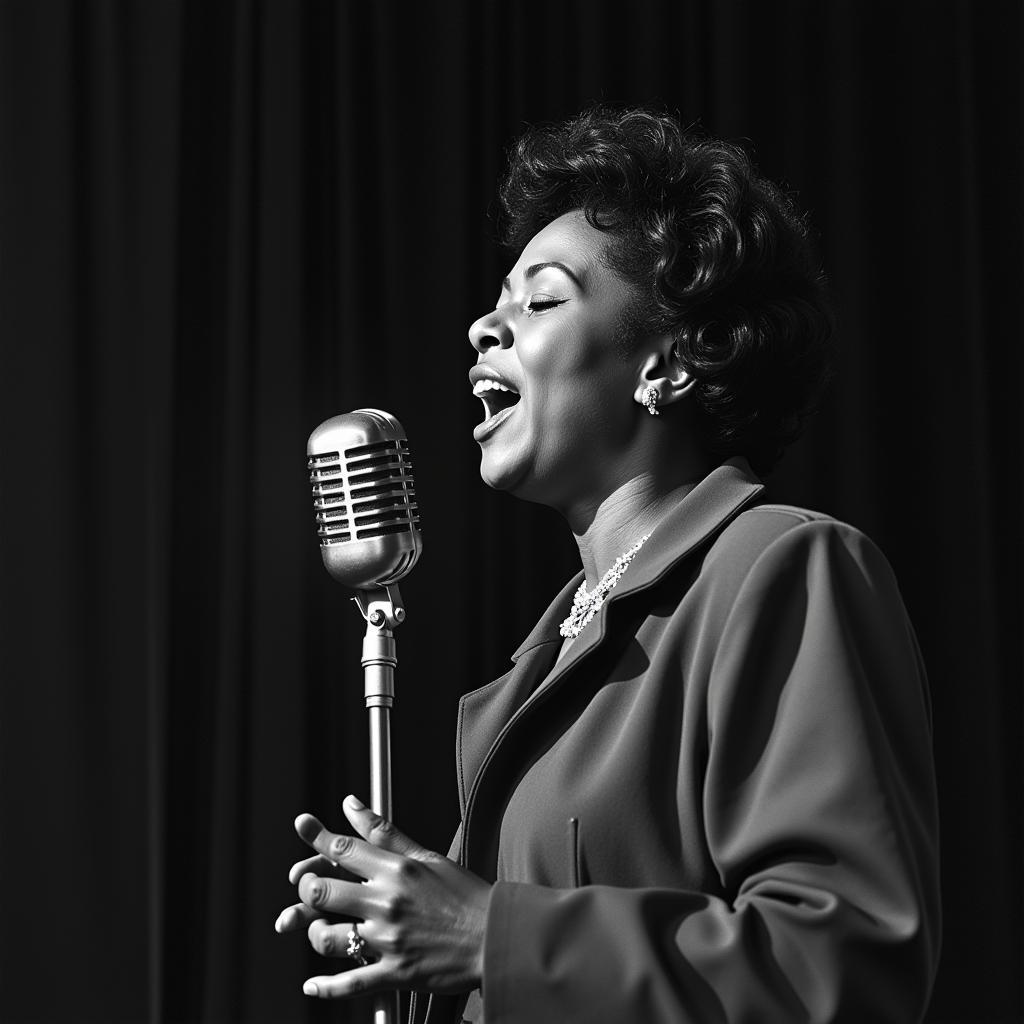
<point>490,330</point>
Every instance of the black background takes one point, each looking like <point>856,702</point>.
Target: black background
<point>221,223</point>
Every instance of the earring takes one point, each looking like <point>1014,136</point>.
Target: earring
<point>650,400</point>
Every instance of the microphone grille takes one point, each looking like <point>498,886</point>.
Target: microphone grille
<point>363,492</point>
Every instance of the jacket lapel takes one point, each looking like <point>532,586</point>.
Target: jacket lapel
<point>484,712</point>
<point>488,716</point>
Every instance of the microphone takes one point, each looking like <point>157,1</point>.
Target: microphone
<point>364,498</point>
<point>369,526</point>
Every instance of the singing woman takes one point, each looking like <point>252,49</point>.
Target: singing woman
<point>704,792</point>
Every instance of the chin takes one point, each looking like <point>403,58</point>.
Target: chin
<point>500,474</point>
<point>516,478</point>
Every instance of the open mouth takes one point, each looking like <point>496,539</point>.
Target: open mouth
<point>496,397</point>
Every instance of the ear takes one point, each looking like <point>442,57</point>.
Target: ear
<point>662,370</point>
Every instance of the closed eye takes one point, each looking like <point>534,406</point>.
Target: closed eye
<point>538,305</point>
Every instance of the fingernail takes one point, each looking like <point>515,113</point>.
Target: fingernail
<point>310,989</point>
<point>355,803</point>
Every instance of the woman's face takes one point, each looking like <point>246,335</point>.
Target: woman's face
<point>552,338</point>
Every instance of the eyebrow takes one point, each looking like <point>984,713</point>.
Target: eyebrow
<point>533,270</point>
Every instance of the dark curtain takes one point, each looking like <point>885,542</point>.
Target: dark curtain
<point>221,223</point>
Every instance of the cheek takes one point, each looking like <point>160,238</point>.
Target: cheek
<point>561,345</point>
<point>580,415</point>
<point>564,363</point>
<point>579,391</point>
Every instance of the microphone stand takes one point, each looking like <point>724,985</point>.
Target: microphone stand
<point>383,610</point>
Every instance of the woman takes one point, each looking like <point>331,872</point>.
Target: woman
<point>704,792</point>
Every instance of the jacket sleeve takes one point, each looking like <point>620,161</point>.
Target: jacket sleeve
<point>820,817</point>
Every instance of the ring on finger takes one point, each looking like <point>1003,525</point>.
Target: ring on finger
<point>356,946</point>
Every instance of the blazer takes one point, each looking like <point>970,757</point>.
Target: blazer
<point>719,805</point>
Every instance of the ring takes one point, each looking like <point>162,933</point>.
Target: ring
<point>356,945</point>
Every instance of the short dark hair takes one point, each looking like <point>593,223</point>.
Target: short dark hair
<point>719,255</point>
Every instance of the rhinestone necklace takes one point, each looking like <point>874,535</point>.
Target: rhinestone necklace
<point>585,606</point>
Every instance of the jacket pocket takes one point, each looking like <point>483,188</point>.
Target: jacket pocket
<point>573,852</point>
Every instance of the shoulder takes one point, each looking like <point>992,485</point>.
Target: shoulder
<point>771,541</point>
<point>777,528</point>
<point>762,525</point>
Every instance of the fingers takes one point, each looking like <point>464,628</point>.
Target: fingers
<point>372,978</point>
<point>382,833</point>
<point>332,896</point>
<point>332,939</point>
<point>297,916</point>
<point>347,852</point>
<point>317,865</point>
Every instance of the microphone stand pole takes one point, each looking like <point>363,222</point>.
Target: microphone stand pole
<point>383,610</point>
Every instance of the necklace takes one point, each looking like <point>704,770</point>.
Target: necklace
<point>585,606</point>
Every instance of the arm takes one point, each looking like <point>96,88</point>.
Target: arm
<point>820,818</point>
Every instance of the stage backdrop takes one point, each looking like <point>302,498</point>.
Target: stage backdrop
<point>221,223</point>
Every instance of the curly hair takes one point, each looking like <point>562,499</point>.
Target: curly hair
<point>720,257</point>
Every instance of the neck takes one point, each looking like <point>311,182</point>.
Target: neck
<point>606,529</point>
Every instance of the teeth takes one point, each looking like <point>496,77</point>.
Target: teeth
<point>491,385</point>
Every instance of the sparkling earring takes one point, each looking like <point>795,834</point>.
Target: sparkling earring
<point>651,401</point>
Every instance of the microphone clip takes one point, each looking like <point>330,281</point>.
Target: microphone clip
<point>381,606</point>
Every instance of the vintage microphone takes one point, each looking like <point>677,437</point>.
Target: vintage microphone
<point>369,526</point>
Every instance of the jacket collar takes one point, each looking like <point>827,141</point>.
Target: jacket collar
<point>699,514</point>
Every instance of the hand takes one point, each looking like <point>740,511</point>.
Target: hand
<point>423,917</point>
